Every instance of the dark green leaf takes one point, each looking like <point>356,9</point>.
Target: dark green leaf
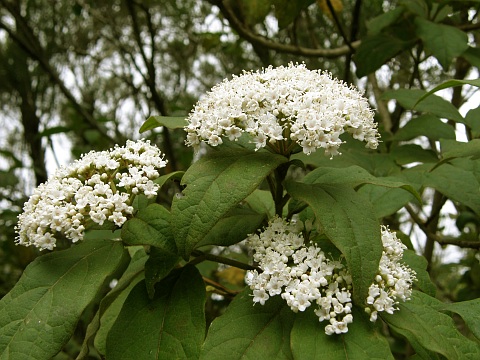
<point>158,265</point>
<point>43,308</point>
<point>363,341</point>
<point>413,153</point>
<point>171,122</point>
<point>286,11</point>
<point>472,120</point>
<point>454,149</point>
<point>385,201</point>
<point>162,180</point>
<point>376,50</point>
<point>150,226</point>
<point>433,104</point>
<point>171,326</point>
<point>429,330</point>
<point>215,185</point>
<point>54,130</point>
<point>443,41</point>
<point>262,202</point>
<point>349,221</point>
<point>255,11</point>
<point>425,125</point>
<point>250,332</point>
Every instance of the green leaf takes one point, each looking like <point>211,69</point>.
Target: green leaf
<point>454,149</point>
<point>413,153</point>
<point>429,330</point>
<point>43,308</point>
<point>468,310</point>
<point>158,265</point>
<point>376,50</point>
<point>171,122</point>
<point>349,221</point>
<point>54,130</point>
<point>472,120</point>
<point>171,326</point>
<point>215,185</point>
<point>162,180</point>
<point>255,11</point>
<point>449,84</point>
<point>433,104</point>
<point>456,183</point>
<point>286,11</point>
<point>425,125</point>
<point>419,264</point>
<point>363,341</point>
<point>150,226</point>
<point>246,331</point>
<point>385,201</point>
<point>443,41</point>
<point>380,22</point>
<point>262,202</point>
<point>354,176</point>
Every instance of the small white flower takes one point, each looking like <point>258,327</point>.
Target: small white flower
<point>98,187</point>
<point>290,105</point>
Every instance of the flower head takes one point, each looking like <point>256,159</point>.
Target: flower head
<point>99,187</point>
<point>282,108</point>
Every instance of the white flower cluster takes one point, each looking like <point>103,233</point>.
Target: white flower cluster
<point>99,187</point>
<point>303,276</point>
<point>282,107</point>
<point>394,280</point>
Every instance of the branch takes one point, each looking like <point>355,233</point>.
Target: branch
<point>381,107</point>
<point>441,240</point>
<point>259,40</point>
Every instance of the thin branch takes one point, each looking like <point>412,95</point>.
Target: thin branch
<point>201,256</point>
<point>247,34</point>
<point>441,240</point>
<point>381,106</point>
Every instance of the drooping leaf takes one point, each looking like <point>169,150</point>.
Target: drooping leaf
<point>355,176</point>
<point>214,186</point>
<point>363,341</point>
<point>150,226</point>
<point>349,221</point>
<point>433,104</point>
<point>171,122</point>
<point>449,84</point>
<point>376,50</point>
<point>468,310</point>
<point>419,264</point>
<point>43,308</point>
<point>453,149</point>
<point>456,183</point>
<point>428,330</point>
<point>425,125</point>
<point>246,331</point>
<point>171,326</point>
<point>443,41</point>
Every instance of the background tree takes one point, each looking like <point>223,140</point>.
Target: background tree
<point>88,74</point>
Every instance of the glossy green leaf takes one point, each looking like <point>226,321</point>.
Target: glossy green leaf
<point>349,221</point>
<point>433,104</point>
<point>443,41</point>
<point>249,332</point>
<point>39,315</point>
<point>363,341</point>
<point>449,84</point>
<point>171,122</point>
<point>468,310</point>
<point>425,125</point>
<point>171,326</point>
<point>428,330</point>
<point>150,226</point>
<point>214,186</point>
